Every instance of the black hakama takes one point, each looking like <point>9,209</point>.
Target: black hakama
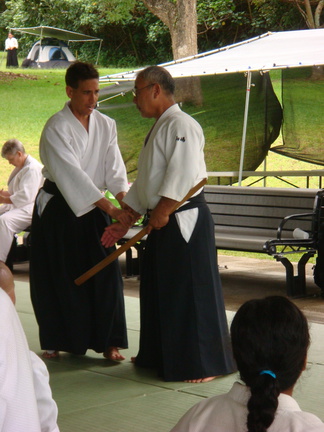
<point>74,318</point>
<point>184,332</point>
<point>12,58</point>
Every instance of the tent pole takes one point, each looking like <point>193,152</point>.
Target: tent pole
<point>99,51</point>
<point>265,169</point>
<point>246,113</point>
<point>40,46</point>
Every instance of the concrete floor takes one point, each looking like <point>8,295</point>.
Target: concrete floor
<point>96,395</point>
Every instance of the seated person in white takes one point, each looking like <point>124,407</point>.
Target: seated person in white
<point>270,340</point>
<point>26,403</point>
<point>18,201</point>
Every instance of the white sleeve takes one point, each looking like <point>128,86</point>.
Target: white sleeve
<point>28,186</point>
<point>3,412</point>
<point>47,409</point>
<point>185,159</point>
<point>132,199</point>
<point>115,170</point>
<point>65,170</point>
<point>18,406</point>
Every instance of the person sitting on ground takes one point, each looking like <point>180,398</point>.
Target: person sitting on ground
<point>18,201</point>
<point>270,340</point>
<point>26,403</point>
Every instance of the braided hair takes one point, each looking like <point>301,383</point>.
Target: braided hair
<point>270,339</point>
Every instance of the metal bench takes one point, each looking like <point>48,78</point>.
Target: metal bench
<point>247,219</point>
<point>281,248</point>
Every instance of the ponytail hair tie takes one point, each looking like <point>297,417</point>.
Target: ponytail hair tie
<point>268,372</point>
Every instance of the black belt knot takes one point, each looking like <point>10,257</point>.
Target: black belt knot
<point>146,217</point>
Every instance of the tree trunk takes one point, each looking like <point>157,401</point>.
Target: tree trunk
<point>313,22</point>
<point>181,19</point>
<point>309,14</point>
<point>180,16</point>
<point>318,12</point>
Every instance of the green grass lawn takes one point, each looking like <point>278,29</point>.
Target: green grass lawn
<point>30,97</point>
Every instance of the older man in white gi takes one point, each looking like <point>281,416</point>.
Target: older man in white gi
<point>18,201</point>
<point>81,158</point>
<point>184,333</point>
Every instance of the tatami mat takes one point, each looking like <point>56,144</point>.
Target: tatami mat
<point>96,395</point>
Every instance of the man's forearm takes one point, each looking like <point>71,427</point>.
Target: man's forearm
<point>165,206</point>
<point>119,197</point>
<point>125,217</point>
<point>105,205</point>
<point>160,215</point>
<point>5,198</point>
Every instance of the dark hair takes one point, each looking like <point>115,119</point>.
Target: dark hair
<point>11,147</point>
<point>80,71</point>
<point>159,75</point>
<point>268,334</point>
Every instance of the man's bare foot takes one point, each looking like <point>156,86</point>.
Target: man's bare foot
<point>201,380</point>
<point>133,359</point>
<point>112,353</point>
<point>50,354</point>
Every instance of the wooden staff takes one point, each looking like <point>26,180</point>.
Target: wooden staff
<point>114,255</point>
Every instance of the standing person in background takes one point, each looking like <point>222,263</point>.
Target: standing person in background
<point>270,340</point>
<point>184,332</point>
<point>81,157</point>
<point>18,201</point>
<point>11,46</point>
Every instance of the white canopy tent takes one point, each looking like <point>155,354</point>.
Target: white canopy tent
<point>269,51</point>
<point>60,34</point>
<point>280,50</point>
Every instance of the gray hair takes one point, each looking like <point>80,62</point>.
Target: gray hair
<point>11,147</point>
<point>159,75</point>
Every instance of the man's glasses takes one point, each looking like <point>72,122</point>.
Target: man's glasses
<point>135,90</point>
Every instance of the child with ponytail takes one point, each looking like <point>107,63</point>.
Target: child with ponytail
<point>270,340</point>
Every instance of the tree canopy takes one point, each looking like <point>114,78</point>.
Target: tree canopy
<point>139,32</point>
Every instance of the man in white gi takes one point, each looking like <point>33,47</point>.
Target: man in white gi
<point>18,201</point>
<point>26,403</point>
<point>11,46</point>
<point>81,158</point>
<point>184,332</point>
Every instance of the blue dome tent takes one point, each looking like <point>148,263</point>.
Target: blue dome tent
<point>51,51</point>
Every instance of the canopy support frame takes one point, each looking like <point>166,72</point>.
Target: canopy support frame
<point>245,122</point>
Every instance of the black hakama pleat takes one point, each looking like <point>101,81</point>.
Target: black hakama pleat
<point>184,331</point>
<point>74,318</point>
